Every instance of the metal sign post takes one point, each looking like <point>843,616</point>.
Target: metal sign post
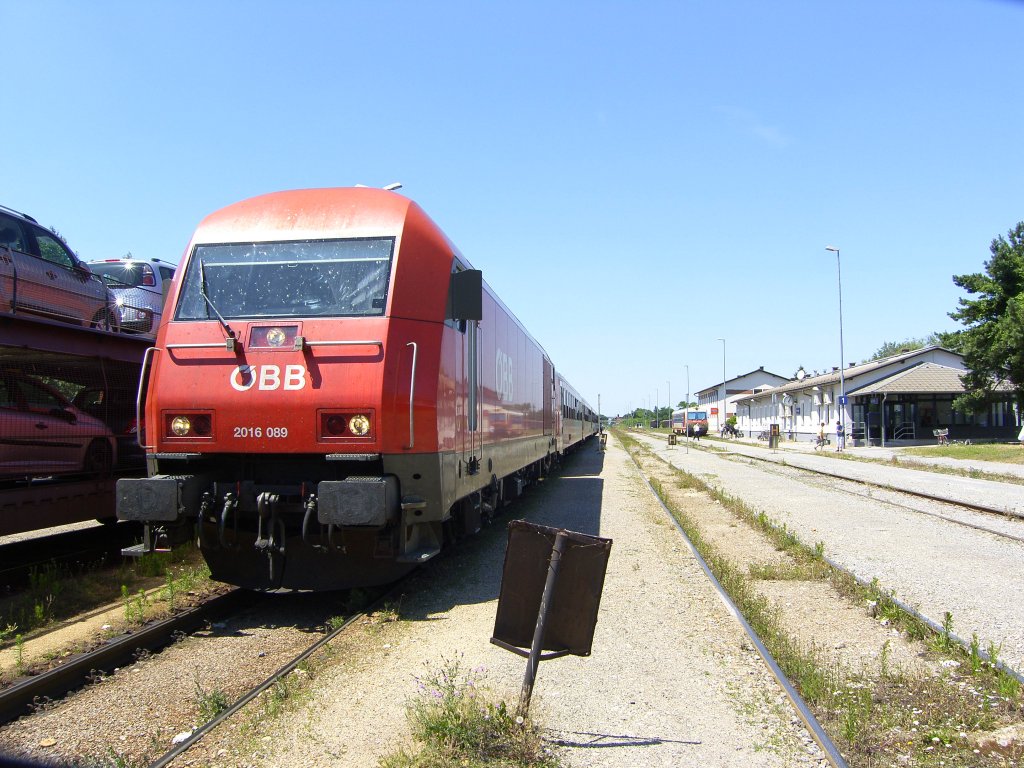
<point>533,660</point>
<point>550,592</point>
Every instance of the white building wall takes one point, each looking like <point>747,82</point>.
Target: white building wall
<point>805,424</point>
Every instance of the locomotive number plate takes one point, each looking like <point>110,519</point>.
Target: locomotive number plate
<point>273,432</point>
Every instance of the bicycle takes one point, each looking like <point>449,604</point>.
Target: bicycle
<point>942,436</point>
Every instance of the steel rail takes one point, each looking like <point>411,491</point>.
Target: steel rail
<point>20,698</point>
<point>818,733</point>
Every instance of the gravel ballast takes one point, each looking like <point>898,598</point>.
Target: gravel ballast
<point>929,563</point>
<point>672,680</point>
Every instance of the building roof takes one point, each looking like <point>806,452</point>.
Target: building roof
<point>713,387</point>
<point>920,379</point>
<point>809,382</point>
<point>923,378</point>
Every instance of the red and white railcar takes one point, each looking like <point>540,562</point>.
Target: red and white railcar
<point>334,390</point>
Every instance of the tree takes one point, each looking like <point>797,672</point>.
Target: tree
<point>947,339</point>
<point>992,341</point>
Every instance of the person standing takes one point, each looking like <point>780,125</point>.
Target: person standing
<point>840,436</point>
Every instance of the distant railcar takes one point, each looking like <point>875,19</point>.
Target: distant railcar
<point>691,423</point>
<point>335,391</point>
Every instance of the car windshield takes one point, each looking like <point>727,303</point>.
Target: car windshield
<point>121,274</point>
<point>311,278</point>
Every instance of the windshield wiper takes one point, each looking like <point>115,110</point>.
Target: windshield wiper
<point>202,292</point>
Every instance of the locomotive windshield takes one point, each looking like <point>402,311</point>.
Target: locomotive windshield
<point>309,278</point>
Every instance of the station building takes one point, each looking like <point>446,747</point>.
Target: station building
<point>900,399</point>
<point>719,401</point>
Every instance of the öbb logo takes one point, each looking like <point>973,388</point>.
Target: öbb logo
<point>503,376</point>
<point>244,377</point>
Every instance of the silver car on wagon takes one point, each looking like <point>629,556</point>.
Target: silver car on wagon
<point>138,288</point>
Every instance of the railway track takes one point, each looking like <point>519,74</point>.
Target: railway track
<point>30,693</point>
<point>199,733</point>
<point>37,694</point>
<point>929,578</point>
<point>802,709</point>
<point>911,493</point>
<point>1002,500</point>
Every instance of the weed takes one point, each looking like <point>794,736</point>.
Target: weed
<point>974,654</point>
<point>993,653</point>
<point>117,760</point>
<point>210,703</point>
<point>19,654</point>
<point>456,723</point>
<point>152,564</point>
<point>134,606</point>
<point>170,589</point>
<point>944,640</point>
<point>1007,686</point>
<point>883,658</point>
<point>856,713</point>
<point>390,612</point>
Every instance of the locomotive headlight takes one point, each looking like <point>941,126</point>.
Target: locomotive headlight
<point>276,337</point>
<point>180,426</point>
<point>359,425</point>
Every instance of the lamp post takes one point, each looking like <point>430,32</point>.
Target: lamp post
<point>721,415</point>
<point>842,362</point>
<point>686,410</point>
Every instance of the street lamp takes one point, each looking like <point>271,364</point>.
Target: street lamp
<point>721,416</point>
<point>686,410</point>
<point>842,362</point>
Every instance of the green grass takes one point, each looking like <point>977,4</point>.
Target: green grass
<point>456,722</point>
<point>1000,452</point>
<point>56,592</point>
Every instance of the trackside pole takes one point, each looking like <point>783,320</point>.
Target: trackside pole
<point>533,661</point>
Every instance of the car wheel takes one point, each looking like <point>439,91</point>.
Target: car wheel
<point>105,321</point>
<point>99,458</point>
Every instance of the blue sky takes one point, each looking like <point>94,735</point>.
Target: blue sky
<point>635,180</point>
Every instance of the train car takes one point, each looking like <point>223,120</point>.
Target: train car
<point>335,392</point>
<point>577,422</point>
<point>690,423</point>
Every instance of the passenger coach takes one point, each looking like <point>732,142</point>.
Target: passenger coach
<point>334,391</point>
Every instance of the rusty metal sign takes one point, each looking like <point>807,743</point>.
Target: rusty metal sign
<point>579,563</point>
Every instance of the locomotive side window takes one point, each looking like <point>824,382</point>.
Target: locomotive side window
<point>310,278</point>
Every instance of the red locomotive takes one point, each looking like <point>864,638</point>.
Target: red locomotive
<point>334,391</point>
